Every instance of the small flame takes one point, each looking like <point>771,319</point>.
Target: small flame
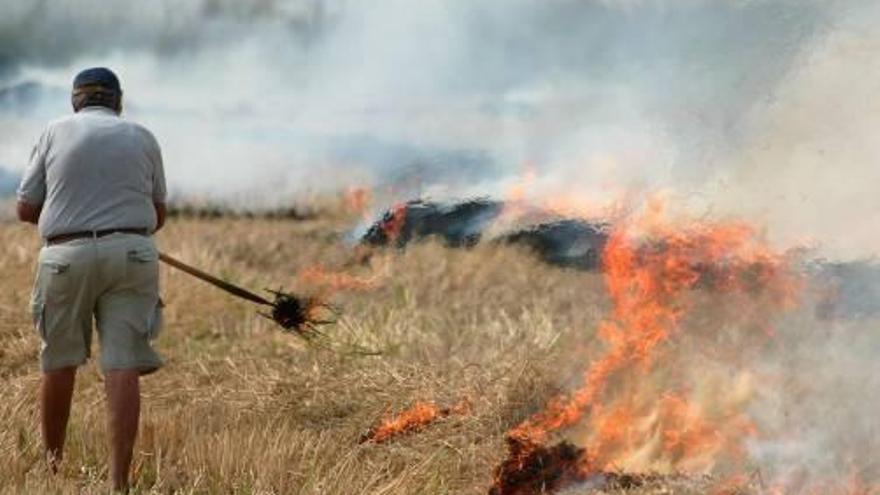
<point>416,418</point>
<point>358,200</point>
<point>519,191</point>
<point>336,280</point>
<point>392,227</point>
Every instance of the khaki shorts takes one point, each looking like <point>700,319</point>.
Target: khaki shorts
<point>113,280</point>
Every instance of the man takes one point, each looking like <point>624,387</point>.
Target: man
<point>95,187</point>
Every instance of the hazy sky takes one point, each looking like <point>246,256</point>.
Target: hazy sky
<point>454,97</point>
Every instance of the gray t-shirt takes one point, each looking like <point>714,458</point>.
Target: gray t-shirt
<point>94,171</point>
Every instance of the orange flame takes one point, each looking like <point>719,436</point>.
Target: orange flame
<point>336,280</point>
<point>632,421</point>
<point>518,192</point>
<point>411,420</point>
<point>358,200</point>
<point>393,226</point>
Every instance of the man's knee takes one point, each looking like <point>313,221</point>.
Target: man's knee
<point>122,383</point>
<point>60,377</point>
<point>62,371</point>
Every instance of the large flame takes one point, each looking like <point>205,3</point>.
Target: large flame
<point>640,407</point>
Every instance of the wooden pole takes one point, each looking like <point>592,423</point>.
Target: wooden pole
<point>216,282</point>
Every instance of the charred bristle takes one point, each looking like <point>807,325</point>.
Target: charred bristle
<point>297,314</point>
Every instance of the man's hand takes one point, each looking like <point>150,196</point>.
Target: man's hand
<point>28,212</point>
<point>160,215</point>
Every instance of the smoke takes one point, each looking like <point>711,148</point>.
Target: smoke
<point>815,413</point>
<point>809,163</point>
<point>57,32</point>
<point>762,108</point>
<point>303,95</point>
<point>8,182</point>
<point>200,74</point>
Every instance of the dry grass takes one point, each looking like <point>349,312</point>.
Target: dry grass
<point>243,408</point>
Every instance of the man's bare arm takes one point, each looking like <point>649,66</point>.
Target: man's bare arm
<point>28,212</point>
<point>160,215</point>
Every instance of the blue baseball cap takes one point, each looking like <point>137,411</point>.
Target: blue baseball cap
<point>97,76</point>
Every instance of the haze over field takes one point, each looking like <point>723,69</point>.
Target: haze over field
<point>758,107</point>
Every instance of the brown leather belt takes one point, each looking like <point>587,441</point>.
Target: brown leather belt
<point>94,234</point>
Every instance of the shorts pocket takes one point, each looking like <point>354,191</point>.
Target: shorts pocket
<point>56,267</point>
<point>156,320</point>
<point>143,255</point>
<point>53,279</point>
<point>142,268</point>
<point>38,313</point>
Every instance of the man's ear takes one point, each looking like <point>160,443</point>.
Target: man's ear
<point>119,104</point>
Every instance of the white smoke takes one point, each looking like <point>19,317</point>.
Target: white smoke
<point>815,407</point>
<point>300,95</point>
<point>761,108</point>
<point>808,167</point>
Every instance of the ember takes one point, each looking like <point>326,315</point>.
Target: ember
<point>535,469</point>
<point>411,420</point>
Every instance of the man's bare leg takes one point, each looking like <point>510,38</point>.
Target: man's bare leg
<point>56,392</point>
<point>124,404</point>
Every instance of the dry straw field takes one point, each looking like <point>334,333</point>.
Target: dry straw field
<point>244,408</point>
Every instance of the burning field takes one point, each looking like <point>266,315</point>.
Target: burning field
<point>635,405</point>
<point>421,249</point>
<point>698,360</point>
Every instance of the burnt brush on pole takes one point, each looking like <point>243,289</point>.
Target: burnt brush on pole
<point>295,314</point>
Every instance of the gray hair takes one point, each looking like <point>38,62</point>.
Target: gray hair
<point>95,95</point>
